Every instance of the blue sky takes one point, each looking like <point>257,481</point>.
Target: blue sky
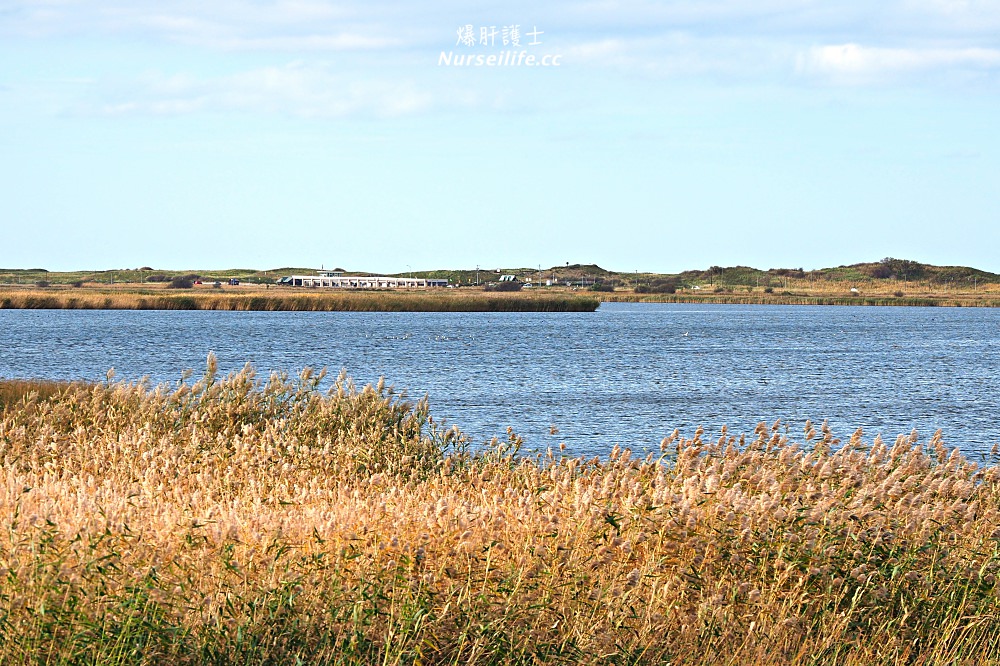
<point>671,135</point>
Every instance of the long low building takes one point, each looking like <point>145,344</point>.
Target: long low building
<point>366,282</point>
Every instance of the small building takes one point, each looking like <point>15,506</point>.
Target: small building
<point>327,281</point>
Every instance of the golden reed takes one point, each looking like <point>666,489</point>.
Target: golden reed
<point>241,520</point>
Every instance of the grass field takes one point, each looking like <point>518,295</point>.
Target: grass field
<point>248,521</point>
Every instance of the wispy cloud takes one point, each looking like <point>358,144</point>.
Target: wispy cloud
<point>684,55</point>
<point>949,17</point>
<point>857,64</point>
<point>343,41</point>
<point>285,25</point>
<point>849,42</point>
<point>294,89</point>
<point>397,21</point>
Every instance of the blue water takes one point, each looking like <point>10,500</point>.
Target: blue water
<point>627,374</point>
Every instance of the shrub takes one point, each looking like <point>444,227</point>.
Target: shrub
<point>504,286</point>
<point>904,269</point>
<point>77,283</point>
<point>602,286</point>
<point>768,290</point>
<point>157,277</point>
<point>787,272</point>
<point>664,286</point>
<point>880,272</point>
<point>181,282</point>
<point>658,286</point>
<point>42,284</point>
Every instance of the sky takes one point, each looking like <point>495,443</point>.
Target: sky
<point>644,136</point>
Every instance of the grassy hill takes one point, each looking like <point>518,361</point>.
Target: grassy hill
<point>885,272</point>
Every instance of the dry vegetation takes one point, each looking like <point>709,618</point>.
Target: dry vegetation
<point>255,298</point>
<point>806,296</point>
<point>240,521</point>
<point>275,300</point>
<point>804,291</point>
<point>13,391</point>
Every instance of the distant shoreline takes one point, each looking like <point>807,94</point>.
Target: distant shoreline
<point>275,300</point>
<point>258,299</point>
<point>573,287</point>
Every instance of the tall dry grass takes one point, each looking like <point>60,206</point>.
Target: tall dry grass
<point>247,521</point>
<point>15,391</point>
<point>297,301</point>
<point>806,297</point>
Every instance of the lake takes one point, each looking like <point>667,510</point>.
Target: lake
<point>627,374</point>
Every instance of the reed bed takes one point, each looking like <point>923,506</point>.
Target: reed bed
<point>241,520</point>
<point>367,301</point>
<point>15,391</point>
<point>805,298</point>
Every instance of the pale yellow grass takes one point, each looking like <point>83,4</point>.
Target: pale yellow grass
<point>238,522</point>
<point>298,300</point>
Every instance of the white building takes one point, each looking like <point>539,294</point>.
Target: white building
<point>326,280</point>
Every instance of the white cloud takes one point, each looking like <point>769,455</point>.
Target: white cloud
<point>294,89</point>
<point>336,42</point>
<point>223,24</point>
<point>957,12</point>
<point>684,55</point>
<point>598,51</point>
<point>857,64</point>
<point>393,22</point>
<point>733,40</point>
